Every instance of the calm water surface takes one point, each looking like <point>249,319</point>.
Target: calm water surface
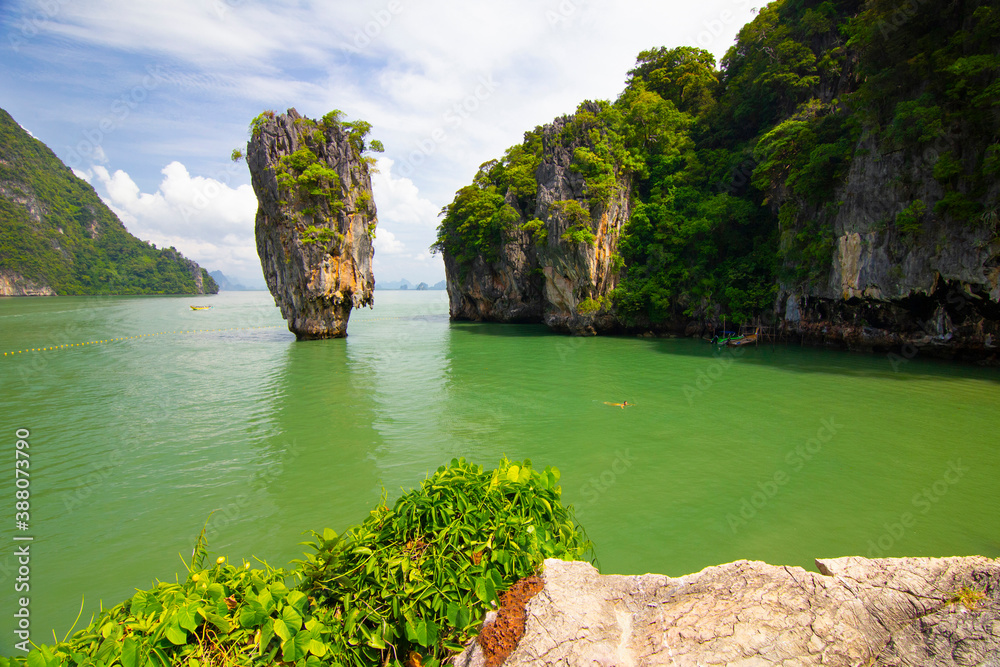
<point>781,454</point>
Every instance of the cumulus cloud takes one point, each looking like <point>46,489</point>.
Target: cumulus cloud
<point>386,243</point>
<point>398,199</point>
<point>206,219</point>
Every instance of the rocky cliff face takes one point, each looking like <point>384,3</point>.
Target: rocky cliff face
<point>934,288</point>
<point>557,262</point>
<point>895,611</point>
<point>315,220</point>
<point>14,284</point>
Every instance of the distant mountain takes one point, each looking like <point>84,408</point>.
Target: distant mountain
<point>227,285</point>
<point>58,237</point>
<point>398,284</point>
<point>407,285</point>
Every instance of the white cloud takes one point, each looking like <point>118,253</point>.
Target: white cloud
<point>398,200</point>
<point>386,243</point>
<point>206,219</point>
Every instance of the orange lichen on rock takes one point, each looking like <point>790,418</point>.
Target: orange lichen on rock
<point>500,637</point>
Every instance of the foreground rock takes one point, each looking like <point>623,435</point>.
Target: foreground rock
<point>315,219</point>
<point>893,611</point>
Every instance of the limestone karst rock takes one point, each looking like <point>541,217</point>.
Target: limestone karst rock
<point>556,262</point>
<point>939,612</point>
<point>315,219</point>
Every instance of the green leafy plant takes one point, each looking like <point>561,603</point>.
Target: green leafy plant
<point>538,230</point>
<point>410,583</point>
<point>579,221</point>
<point>258,122</point>
<point>589,306</point>
<point>321,235</point>
<point>910,219</point>
<point>968,597</point>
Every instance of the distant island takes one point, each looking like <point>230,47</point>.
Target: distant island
<point>226,284</point>
<point>405,284</point>
<point>57,237</point>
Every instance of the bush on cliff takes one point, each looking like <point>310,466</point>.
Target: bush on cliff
<point>409,584</point>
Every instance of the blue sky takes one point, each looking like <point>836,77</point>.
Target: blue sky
<point>147,99</point>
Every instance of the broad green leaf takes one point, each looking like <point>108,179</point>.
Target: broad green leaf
<point>267,632</point>
<point>298,600</point>
<point>175,634</point>
<point>486,590</point>
<point>351,619</point>
<point>130,653</point>
<point>292,618</point>
<point>416,631</point>
<point>375,641</point>
<point>186,618</point>
<point>513,472</point>
<point>291,650</point>
<point>216,591</point>
<point>252,614</point>
<point>281,629</point>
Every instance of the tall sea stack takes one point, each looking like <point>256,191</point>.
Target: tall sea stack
<point>315,218</point>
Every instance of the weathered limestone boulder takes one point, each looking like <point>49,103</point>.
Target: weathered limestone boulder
<point>315,220</point>
<point>855,611</point>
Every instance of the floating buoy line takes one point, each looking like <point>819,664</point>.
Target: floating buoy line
<point>164,333</point>
<point>136,337</point>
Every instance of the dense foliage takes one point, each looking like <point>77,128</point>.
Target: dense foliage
<point>410,584</point>
<point>56,231</point>
<point>738,170</point>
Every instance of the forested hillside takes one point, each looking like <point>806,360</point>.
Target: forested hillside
<point>839,166</point>
<point>57,236</point>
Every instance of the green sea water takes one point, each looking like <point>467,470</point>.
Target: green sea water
<point>783,454</point>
